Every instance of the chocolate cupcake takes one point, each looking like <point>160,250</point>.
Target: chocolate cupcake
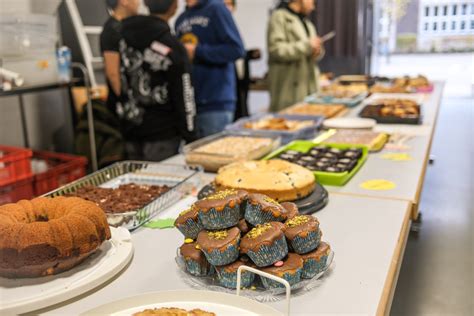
<point>188,223</point>
<point>303,233</point>
<point>315,261</point>
<point>291,209</point>
<point>262,209</point>
<point>220,247</point>
<point>227,275</point>
<point>221,210</point>
<point>290,271</point>
<point>265,244</point>
<point>196,263</point>
<point>243,226</point>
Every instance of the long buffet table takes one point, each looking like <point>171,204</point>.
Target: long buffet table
<point>368,231</point>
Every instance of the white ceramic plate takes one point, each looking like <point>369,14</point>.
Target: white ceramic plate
<point>25,295</point>
<point>218,303</point>
<point>350,123</point>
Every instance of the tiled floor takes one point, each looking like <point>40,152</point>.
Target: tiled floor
<point>437,274</point>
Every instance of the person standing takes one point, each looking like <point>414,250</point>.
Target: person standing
<point>213,42</point>
<point>109,45</point>
<point>159,108</point>
<point>294,49</point>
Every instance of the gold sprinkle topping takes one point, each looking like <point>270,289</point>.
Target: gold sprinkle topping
<point>221,195</point>
<point>270,200</point>
<point>198,247</point>
<point>188,241</point>
<point>186,211</point>
<point>297,221</point>
<point>218,235</point>
<point>259,230</point>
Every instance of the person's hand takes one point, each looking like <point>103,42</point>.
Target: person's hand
<point>191,49</point>
<point>316,45</point>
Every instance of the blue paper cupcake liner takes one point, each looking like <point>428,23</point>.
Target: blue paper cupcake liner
<point>292,278</point>
<point>196,269</point>
<point>190,229</point>
<point>226,218</point>
<point>307,244</point>
<point>312,267</point>
<point>268,255</point>
<point>218,258</point>
<point>255,216</point>
<point>229,280</point>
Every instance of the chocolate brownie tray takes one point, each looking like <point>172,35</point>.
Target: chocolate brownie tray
<point>168,183</point>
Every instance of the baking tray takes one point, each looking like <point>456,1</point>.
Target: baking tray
<point>412,120</point>
<point>181,179</point>
<point>326,178</point>
<point>376,145</point>
<point>215,161</point>
<point>349,102</point>
<point>286,136</point>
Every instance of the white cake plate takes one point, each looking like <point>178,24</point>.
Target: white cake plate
<point>215,302</point>
<point>25,295</point>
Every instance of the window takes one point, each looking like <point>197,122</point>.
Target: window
<point>463,25</point>
<point>455,9</point>
<point>435,26</point>
<point>436,11</point>
<point>472,24</point>
<point>464,9</point>
<point>443,26</point>
<point>426,26</point>
<point>453,25</point>
<point>427,11</point>
<point>445,10</point>
<point>472,8</point>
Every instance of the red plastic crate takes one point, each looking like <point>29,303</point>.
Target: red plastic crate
<point>62,169</point>
<point>14,164</point>
<point>19,190</point>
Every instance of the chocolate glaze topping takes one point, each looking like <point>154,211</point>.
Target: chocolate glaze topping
<point>322,250</point>
<point>268,236</point>
<point>221,199</point>
<point>191,213</point>
<point>189,251</point>
<point>210,240</point>
<point>300,225</point>
<point>292,263</point>
<point>267,204</point>
<point>291,209</point>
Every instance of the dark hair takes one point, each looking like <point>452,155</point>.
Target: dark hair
<point>112,3</point>
<point>159,6</point>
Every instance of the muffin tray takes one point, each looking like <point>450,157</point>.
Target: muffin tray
<point>181,180</point>
<point>324,177</point>
<point>286,136</point>
<point>259,293</point>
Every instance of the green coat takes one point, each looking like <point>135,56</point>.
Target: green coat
<point>293,73</point>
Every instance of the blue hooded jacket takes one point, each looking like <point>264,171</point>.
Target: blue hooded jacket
<point>210,25</point>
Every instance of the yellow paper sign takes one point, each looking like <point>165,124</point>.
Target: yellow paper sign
<point>397,156</point>
<point>378,185</point>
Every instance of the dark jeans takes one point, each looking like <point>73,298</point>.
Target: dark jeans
<point>209,123</point>
<point>153,151</point>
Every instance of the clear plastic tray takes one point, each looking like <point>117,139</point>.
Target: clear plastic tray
<point>260,293</point>
<point>181,179</point>
<point>286,136</point>
<point>212,162</point>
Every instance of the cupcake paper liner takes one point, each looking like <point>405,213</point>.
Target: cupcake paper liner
<point>268,255</point>
<point>190,229</point>
<point>214,219</point>
<point>312,267</point>
<point>229,280</point>
<point>306,244</point>
<point>292,278</point>
<point>218,258</point>
<point>255,216</point>
<point>196,269</point>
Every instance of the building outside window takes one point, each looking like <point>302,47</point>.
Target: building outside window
<point>463,25</point>
<point>426,26</point>
<point>464,9</point>
<point>435,26</point>
<point>427,11</point>
<point>472,24</point>
<point>443,26</point>
<point>445,10</point>
<point>436,11</point>
<point>455,9</point>
<point>453,25</point>
<point>472,8</point>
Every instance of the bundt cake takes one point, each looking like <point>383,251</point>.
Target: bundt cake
<point>47,236</point>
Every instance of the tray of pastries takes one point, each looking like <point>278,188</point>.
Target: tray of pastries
<point>287,127</point>
<point>332,164</point>
<point>132,192</point>
<point>393,111</point>
<point>326,110</point>
<point>348,95</point>
<point>404,84</point>
<point>221,149</point>
<point>375,141</point>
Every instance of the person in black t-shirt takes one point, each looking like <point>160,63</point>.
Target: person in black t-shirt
<point>109,45</point>
<point>158,109</point>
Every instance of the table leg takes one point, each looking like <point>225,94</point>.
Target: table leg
<point>24,126</point>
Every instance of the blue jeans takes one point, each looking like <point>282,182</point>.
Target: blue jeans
<point>209,123</point>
